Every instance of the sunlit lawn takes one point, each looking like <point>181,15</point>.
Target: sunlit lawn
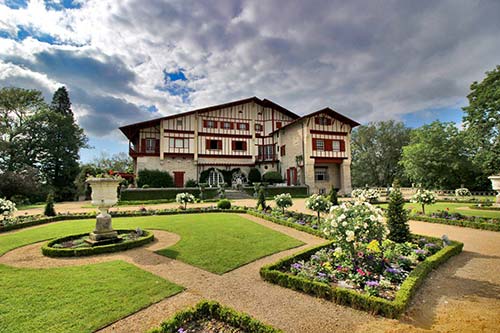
<point>457,207</point>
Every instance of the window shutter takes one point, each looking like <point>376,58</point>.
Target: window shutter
<point>316,120</point>
<point>278,124</point>
<point>143,145</point>
<point>205,123</point>
<point>328,145</point>
<point>233,145</point>
<point>157,145</point>
<point>342,145</point>
<point>219,144</point>
<point>244,145</point>
<point>216,123</point>
<point>314,144</point>
<point>231,126</point>
<point>328,121</point>
<point>207,144</point>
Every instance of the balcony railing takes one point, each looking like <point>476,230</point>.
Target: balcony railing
<point>266,157</point>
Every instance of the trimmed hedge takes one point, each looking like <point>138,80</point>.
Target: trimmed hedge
<point>485,207</point>
<point>50,251</point>
<point>213,310</point>
<point>295,191</point>
<point>142,194</point>
<point>461,223</point>
<point>375,305</point>
<point>276,220</point>
<point>154,178</point>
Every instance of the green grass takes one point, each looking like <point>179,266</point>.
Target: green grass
<point>456,207</point>
<point>75,299</point>
<point>216,242</point>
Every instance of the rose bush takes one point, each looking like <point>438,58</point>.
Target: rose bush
<point>424,197</point>
<point>369,195</point>
<point>7,207</point>
<point>462,192</point>
<point>184,199</point>
<point>283,201</point>
<point>318,203</point>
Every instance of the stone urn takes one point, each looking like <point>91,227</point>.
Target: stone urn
<point>495,182</point>
<point>104,196</point>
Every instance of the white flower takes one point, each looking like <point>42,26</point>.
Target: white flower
<point>341,217</point>
<point>344,224</point>
<point>334,224</point>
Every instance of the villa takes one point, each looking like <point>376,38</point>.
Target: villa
<point>311,150</point>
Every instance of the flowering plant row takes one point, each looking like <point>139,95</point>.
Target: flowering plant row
<point>7,207</point>
<point>184,199</point>
<point>369,195</point>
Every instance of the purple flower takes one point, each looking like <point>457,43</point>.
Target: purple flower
<point>392,270</point>
<point>181,330</point>
<point>372,284</point>
<point>314,257</point>
<point>297,266</point>
<point>301,222</point>
<point>321,275</point>
<point>430,245</point>
<point>419,251</point>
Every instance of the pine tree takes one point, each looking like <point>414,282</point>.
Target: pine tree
<point>333,197</point>
<point>61,103</point>
<point>397,218</point>
<point>49,206</point>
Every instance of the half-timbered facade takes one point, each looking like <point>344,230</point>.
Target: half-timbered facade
<point>244,134</point>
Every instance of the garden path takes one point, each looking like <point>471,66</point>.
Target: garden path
<point>461,296</point>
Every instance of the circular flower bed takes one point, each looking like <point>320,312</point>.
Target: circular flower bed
<point>76,245</point>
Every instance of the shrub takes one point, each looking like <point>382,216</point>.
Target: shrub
<point>184,199</point>
<point>163,193</point>
<point>7,207</point>
<point>191,183</point>
<point>369,195</point>
<point>397,218</point>
<point>272,177</point>
<point>154,178</point>
<point>351,224</point>
<point>283,201</point>
<point>49,206</point>
<point>202,187</point>
<point>224,204</point>
<point>318,203</point>
<point>462,192</point>
<point>424,197</point>
<point>254,176</point>
<point>261,199</point>
<point>333,197</point>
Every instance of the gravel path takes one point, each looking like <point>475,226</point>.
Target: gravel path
<point>461,296</point>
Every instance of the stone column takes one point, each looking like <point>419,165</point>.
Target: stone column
<point>345,177</point>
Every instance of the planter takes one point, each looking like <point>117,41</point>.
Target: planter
<point>104,196</point>
<point>495,182</point>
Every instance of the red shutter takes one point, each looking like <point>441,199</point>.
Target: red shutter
<point>207,144</point>
<point>314,144</point>
<point>244,145</point>
<point>219,144</point>
<point>288,177</point>
<point>278,124</point>
<point>328,145</point>
<point>316,120</point>
<point>215,124</point>
<point>204,123</point>
<point>157,145</point>
<point>342,145</point>
<point>143,146</point>
<point>231,126</point>
<point>233,145</point>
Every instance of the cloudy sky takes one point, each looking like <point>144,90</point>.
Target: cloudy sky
<point>128,61</point>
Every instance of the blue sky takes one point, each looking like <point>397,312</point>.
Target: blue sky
<point>129,61</point>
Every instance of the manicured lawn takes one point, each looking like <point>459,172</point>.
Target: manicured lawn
<point>452,207</point>
<point>215,242</point>
<point>75,299</point>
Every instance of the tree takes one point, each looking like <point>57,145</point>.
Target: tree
<point>482,122</point>
<point>25,183</point>
<point>397,218</point>
<point>333,197</point>
<point>283,201</point>
<point>16,107</point>
<point>117,162</point>
<point>61,103</point>
<point>319,204</point>
<point>376,152</point>
<point>254,176</point>
<point>435,158</point>
<point>424,197</point>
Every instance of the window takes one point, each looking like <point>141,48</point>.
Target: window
<point>214,144</point>
<point>258,127</point>
<point>150,145</point>
<point>239,145</point>
<point>278,124</point>
<point>179,143</point>
<point>320,144</point>
<point>320,174</point>
<point>226,125</point>
<point>242,126</point>
<point>179,123</point>
<point>335,145</point>
<point>210,124</point>
<point>283,152</point>
<point>322,120</point>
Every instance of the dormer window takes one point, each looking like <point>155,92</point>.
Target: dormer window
<point>258,127</point>
<point>322,120</point>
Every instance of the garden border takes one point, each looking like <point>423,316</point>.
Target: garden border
<point>485,208</point>
<point>212,309</point>
<point>49,251</point>
<point>459,223</point>
<point>354,299</point>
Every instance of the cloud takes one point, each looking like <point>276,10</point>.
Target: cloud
<point>369,60</point>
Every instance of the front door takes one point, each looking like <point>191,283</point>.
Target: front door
<point>179,178</point>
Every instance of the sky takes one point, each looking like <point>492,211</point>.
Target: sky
<point>133,60</point>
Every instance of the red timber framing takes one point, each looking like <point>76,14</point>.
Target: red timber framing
<point>291,176</point>
<point>327,144</point>
<point>325,160</point>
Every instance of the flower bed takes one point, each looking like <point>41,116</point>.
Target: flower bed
<point>285,274</point>
<point>212,317</point>
<point>299,221</point>
<point>75,245</point>
<point>485,207</point>
<point>444,217</point>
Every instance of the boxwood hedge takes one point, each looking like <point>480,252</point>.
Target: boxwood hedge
<point>375,305</point>
<point>480,224</point>
<point>50,251</point>
<point>295,191</point>
<point>213,310</point>
<point>143,194</point>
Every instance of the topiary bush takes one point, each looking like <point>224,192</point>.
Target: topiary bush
<point>224,204</point>
<point>333,197</point>
<point>49,206</point>
<point>254,176</point>
<point>261,199</point>
<point>397,218</point>
<point>272,177</point>
<point>155,178</point>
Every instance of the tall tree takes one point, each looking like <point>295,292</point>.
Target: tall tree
<point>482,122</point>
<point>376,152</point>
<point>435,158</point>
<point>117,162</point>
<point>59,141</point>
<point>17,105</point>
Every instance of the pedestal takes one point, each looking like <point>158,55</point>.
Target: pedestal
<point>497,202</point>
<point>103,233</point>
